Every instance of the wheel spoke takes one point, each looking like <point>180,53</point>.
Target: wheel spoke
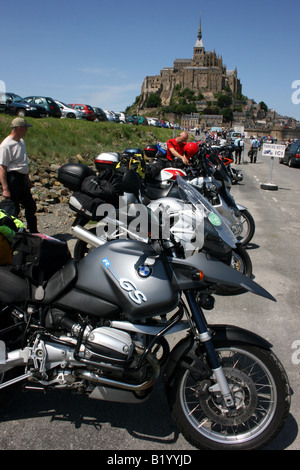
<point>254,393</point>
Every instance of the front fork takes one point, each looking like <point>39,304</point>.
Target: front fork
<point>204,338</point>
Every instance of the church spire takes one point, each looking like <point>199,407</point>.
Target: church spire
<point>199,42</point>
<point>199,30</point>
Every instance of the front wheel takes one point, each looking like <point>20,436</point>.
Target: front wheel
<point>261,393</point>
<point>82,248</point>
<point>241,261</point>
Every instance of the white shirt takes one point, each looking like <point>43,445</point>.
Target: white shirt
<point>13,155</point>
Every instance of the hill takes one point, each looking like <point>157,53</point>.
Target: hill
<point>62,140</point>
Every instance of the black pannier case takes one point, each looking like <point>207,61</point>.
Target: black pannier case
<point>72,175</point>
<point>38,256</point>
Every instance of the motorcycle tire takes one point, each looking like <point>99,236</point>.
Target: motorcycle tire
<point>240,261</point>
<point>82,248</point>
<point>249,225</point>
<point>260,390</point>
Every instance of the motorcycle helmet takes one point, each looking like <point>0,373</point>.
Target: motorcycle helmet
<point>151,151</point>
<point>190,149</point>
<point>106,160</point>
<point>134,151</point>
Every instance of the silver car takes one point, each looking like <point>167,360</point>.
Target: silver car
<point>69,112</point>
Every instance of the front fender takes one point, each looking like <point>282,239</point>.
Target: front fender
<point>241,208</point>
<point>184,353</point>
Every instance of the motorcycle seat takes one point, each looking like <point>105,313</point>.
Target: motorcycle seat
<point>13,288</point>
<point>60,281</point>
<point>16,289</point>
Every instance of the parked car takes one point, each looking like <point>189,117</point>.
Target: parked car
<point>47,103</point>
<point>151,121</point>
<point>68,112</point>
<point>17,106</point>
<point>111,116</point>
<point>131,119</point>
<point>233,136</point>
<point>122,117</point>
<point>292,154</point>
<point>141,120</point>
<point>101,116</point>
<point>87,109</point>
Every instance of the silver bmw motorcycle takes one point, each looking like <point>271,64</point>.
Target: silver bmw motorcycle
<point>101,327</point>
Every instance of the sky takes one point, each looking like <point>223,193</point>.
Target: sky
<point>98,52</point>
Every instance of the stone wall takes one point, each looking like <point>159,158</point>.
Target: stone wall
<point>282,134</point>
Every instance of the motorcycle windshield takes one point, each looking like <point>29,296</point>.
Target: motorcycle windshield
<point>189,194</point>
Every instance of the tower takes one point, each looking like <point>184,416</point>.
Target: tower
<point>199,52</point>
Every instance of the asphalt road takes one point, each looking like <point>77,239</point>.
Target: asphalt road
<point>61,421</point>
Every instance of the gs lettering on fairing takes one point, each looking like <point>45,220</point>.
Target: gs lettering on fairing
<point>134,294</point>
<point>129,286</point>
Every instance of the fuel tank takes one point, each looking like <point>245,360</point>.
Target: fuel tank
<point>127,275</point>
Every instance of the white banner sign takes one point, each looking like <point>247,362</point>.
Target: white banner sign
<point>273,150</point>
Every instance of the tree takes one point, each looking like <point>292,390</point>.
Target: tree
<point>224,101</point>
<point>153,101</point>
<point>263,106</point>
<point>227,114</point>
<point>188,94</point>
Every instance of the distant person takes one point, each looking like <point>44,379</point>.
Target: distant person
<point>14,174</point>
<point>238,148</point>
<point>254,146</point>
<point>175,147</point>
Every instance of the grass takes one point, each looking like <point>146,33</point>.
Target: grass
<point>59,141</point>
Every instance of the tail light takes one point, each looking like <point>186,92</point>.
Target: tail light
<point>297,155</point>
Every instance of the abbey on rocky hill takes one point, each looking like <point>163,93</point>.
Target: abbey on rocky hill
<point>203,73</point>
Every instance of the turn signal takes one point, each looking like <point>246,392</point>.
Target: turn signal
<point>198,276</point>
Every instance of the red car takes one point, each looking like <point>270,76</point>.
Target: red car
<point>87,109</point>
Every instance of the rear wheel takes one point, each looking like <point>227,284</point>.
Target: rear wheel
<point>261,394</point>
<point>247,227</point>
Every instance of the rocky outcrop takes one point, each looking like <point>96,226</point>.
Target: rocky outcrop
<point>47,190</point>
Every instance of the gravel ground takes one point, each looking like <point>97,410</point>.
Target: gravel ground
<point>57,223</point>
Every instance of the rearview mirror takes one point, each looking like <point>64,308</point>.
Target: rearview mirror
<point>131,182</point>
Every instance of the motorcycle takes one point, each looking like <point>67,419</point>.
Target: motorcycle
<point>221,244</point>
<point>225,153</point>
<point>99,327</point>
<point>213,173</point>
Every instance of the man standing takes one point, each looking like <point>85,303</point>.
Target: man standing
<point>175,147</point>
<point>14,174</point>
<point>254,146</point>
<point>238,147</point>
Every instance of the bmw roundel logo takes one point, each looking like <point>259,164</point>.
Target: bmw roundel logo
<point>144,271</point>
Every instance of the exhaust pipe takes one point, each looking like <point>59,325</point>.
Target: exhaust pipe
<point>92,377</point>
